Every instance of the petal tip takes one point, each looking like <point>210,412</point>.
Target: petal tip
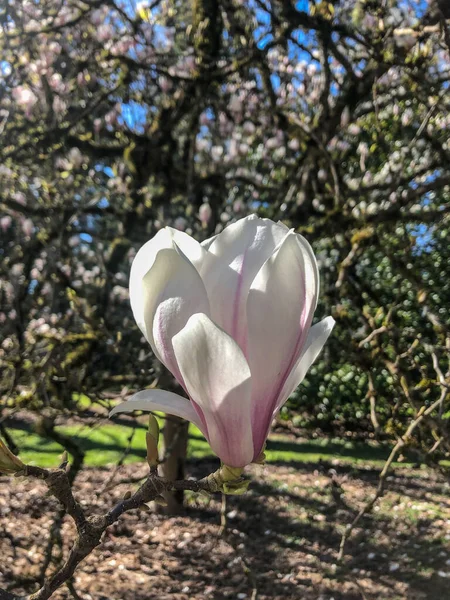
<point>123,407</point>
<point>330,321</point>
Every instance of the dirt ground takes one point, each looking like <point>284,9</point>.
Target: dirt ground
<point>280,542</point>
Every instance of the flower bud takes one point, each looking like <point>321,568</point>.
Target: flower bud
<point>151,438</point>
<point>160,500</point>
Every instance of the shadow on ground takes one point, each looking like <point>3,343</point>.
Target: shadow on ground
<point>281,539</point>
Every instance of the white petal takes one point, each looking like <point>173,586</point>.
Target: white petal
<point>159,400</point>
<point>164,299</point>
<point>145,258</point>
<point>234,258</point>
<point>207,243</point>
<point>142,264</point>
<point>317,337</point>
<point>280,308</point>
<point>307,250</point>
<point>188,246</point>
<point>217,378</point>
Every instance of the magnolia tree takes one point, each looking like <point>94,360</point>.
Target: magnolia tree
<point>119,119</point>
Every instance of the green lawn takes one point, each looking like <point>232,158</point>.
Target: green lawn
<point>105,445</point>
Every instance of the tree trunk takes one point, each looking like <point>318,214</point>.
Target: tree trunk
<point>175,447</point>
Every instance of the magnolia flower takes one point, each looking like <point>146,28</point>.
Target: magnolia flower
<point>231,319</point>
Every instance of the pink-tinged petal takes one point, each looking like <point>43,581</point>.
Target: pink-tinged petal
<point>317,337</point>
<point>191,249</point>
<point>174,292</point>
<point>280,308</point>
<point>145,259</point>
<point>164,299</point>
<point>312,262</point>
<point>217,377</point>
<point>234,258</point>
<point>160,400</point>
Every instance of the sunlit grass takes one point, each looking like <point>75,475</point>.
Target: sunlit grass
<point>105,445</point>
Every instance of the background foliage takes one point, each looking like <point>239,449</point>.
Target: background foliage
<point>118,119</point>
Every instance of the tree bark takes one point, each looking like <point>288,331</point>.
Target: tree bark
<point>175,437</point>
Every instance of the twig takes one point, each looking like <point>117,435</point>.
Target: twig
<point>54,537</point>
<point>346,263</point>
<point>90,529</point>
<point>71,587</point>
<point>109,481</point>
<point>372,335</point>
<point>373,409</point>
<point>401,442</point>
<point>125,481</point>
<point>58,484</point>
<point>227,535</point>
<point>223,515</point>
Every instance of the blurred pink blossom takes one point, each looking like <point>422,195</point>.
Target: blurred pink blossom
<point>25,98</point>
<point>205,213</point>
<point>180,223</point>
<point>27,227</point>
<point>5,223</point>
